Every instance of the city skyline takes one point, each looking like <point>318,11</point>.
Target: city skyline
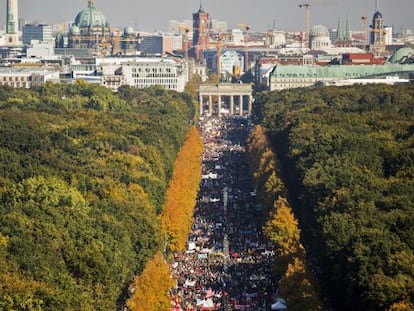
<point>283,14</point>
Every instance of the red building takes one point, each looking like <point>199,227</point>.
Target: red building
<point>201,26</point>
<point>361,59</point>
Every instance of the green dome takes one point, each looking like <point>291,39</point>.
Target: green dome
<point>401,55</point>
<point>128,31</point>
<point>90,17</point>
<point>74,30</point>
<point>319,31</point>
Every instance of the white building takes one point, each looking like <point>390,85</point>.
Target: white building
<point>141,72</point>
<point>237,37</point>
<point>170,73</point>
<point>319,38</point>
<point>219,26</point>
<point>27,77</point>
<point>179,27</point>
<point>277,38</point>
<point>40,50</point>
<point>231,62</point>
<point>388,35</point>
<point>195,68</point>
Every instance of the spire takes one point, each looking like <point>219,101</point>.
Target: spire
<point>377,5</point>
<point>201,7</point>
<point>340,33</point>
<point>347,31</point>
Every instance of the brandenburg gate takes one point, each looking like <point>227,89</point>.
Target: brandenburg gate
<point>235,93</point>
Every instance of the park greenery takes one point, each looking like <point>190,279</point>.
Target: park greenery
<point>297,284</point>
<point>347,158</point>
<point>151,287</point>
<point>84,174</point>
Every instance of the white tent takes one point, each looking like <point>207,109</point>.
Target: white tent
<point>189,283</point>
<point>191,246</point>
<point>280,304</point>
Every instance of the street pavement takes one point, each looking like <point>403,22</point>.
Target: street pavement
<point>228,263</point>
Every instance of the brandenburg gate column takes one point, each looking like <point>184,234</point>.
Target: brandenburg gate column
<point>219,104</point>
<point>210,104</point>
<point>200,99</point>
<point>231,104</point>
<point>249,107</point>
<point>241,105</point>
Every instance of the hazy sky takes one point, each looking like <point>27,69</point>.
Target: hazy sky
<point>260,14</point>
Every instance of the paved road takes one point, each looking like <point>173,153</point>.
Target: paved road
<point>227,265</point>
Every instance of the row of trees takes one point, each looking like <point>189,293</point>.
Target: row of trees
<point>347,157</point>
<point>83,180</point>
<point>151,287</point>
<point>297,283</point>
<point>177,216</point>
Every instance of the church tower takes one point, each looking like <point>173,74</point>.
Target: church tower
<point>12,26</point>
<point>377,44</point>
<point>201,25</point>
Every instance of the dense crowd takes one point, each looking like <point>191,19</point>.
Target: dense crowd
<point>227,263</point>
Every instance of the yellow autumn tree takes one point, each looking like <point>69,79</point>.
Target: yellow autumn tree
<point>176,218</point>
<point>401,306</point>
<point>263,167</point>
<point>296,287</point>
<point>282,228</point>
<point>151,287</point>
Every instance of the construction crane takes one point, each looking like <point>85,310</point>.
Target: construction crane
<point>364,31</point>
<point>268,41</point>
<point>246,46</point>
<point>307,7</point>
<point>185,30</point>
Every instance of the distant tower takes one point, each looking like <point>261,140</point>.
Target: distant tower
<point>377,42</point>
<point>201,24</point>
<point>347,31</point>
<point>340,33</point>
<point>12,27</point>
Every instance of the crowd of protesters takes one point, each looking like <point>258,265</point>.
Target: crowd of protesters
<point>227,264</point>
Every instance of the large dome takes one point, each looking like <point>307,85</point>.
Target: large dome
<point>319,31</point>
<point>90,17</point>
<point>402,55</point>
<point>128,31</point>
<point>74,30</point>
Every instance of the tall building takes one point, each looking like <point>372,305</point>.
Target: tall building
<point>12,23</point>
<point>39,32</point>
<point>201,25</point>
<point>377,42</point>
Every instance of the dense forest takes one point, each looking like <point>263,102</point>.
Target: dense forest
<point>151,289</point>
<point>347,156</point>
<point>83,180</point>
<point>297,284</point>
